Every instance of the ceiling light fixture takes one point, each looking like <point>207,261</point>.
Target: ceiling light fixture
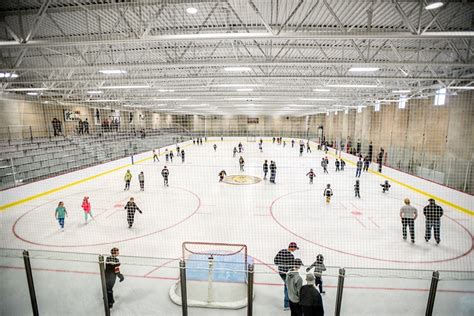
<point>401,91</point>
<point>363,69</point>
<point>94,92</point>
<point>434,5</point>
<point>112,71</point>
<point>115,100</point>
<point>245,90</point>
<point>8,75</point>
<point>237,69</point>
<point>462,88</point>
<point>234,85</point>
<point>32,93</point>
<point>165,90</point>
<point>321,90</point>
<point>317,99</point>
<point>191,10</point>
<point>27,89</point>
<point>354,86</point>
<point>172,99</point>
<point>126,87</point>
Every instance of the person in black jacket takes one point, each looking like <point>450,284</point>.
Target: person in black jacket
<point>310,300</point>
<point>131,208</point>
<point>265,169</point>
<point>273,171</point>
<point>284,259</point>
<point>433,213</point>
<point>112,272</point>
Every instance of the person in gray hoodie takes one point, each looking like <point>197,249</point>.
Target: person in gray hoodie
<point>294,282</point>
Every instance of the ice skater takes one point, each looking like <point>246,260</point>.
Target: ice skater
<point>265,169</point>
<point>171,156</point>
<point>86,206</point>
<point>155,156</point>
<point>61,214</point>
<point>167,155</point>
<point>408,214</point>
<point>343,164</point>
<point>241,163</point>
<point>165,173</point>
<point>308,149</point>
<point>273,171</point>
<point>141,180</point>
<point>433,214</point>
<point>112,272</point>
<point>337,163</point>
<point>215,147</point>
<point>127,178</point>
<point>131,208</point>
<point>301,149</point>
<point>241,147</point>
<point>292,143</point>
<point>385,186</point>
<point>319,267</point>
<point>324,164</point>
<point>366,164</point>
<point>222,174</point>
<point>182,156</point>
<point>357,189</point>
<point>234,152</point>
<point>311,175</point>
<point>284,259</point>
<point>328,193</point>
<point>260,147</point>
<point>358,168</point>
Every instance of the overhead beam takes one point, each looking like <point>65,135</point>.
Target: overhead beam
<point>337,35</point>
<point>253,63</point>
<point>260,16</point>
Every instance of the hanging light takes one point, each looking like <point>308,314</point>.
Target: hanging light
<point>434,5</point>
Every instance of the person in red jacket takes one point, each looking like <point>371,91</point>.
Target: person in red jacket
<point>86,206</point>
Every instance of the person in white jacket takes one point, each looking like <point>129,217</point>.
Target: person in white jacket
<point>294,282</point>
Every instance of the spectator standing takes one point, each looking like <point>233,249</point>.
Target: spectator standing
<point>112,272</point>
<point>294,282</point>
<point>408,214</point>
<point>310,299</point>
<point>433,213</point>
<point>284,259</point>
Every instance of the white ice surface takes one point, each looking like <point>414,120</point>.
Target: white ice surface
<point>363,233</point>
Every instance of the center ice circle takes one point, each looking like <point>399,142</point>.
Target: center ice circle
<point>241,179</point>
<point>161,211</point>
<point>346,227</point>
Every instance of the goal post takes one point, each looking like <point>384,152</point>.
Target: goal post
<point>216,275</point>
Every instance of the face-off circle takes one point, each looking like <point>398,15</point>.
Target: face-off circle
<point>366,230</point>
<point>110,225</point>
<point>241,179</point>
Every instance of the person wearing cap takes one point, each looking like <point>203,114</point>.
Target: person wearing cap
<point>284,259</point>
<point>310,299</point>
<point>294,282</point>
<point>408,214</point>
<point>112,272</point>
<point>433,213</point>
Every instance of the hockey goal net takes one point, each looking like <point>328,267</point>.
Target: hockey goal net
<point>216,275</point>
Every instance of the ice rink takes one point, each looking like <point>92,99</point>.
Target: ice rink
<point>385,274</point>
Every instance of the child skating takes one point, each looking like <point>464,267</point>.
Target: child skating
<point>222,174</point>
<point>234,152</point>
<point>127,178</point>
<point>86,206</point>
<point>265,170</point>
<point>167,155</point>
<point>131,208</point>
<point>215,147</point>
<point>328,193</point>
<point>182,155</point>
<point>165,173</point>
<point>171,155</point>
<point>61,214</point>
<point>324,164</point>
<point>141,180</point>
<point>343,164</point>
<point>241,163</point>
<point>319,267</point>
<point>311,175</point>
<point>273,172</point>
<point>357,189</point>
<point>385,186</point>
<point>155,156</point>
<point>337,163</point>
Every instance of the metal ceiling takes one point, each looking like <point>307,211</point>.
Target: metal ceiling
<point>290,47</point>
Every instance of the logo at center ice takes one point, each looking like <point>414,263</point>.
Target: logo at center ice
<point>241,179</point>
